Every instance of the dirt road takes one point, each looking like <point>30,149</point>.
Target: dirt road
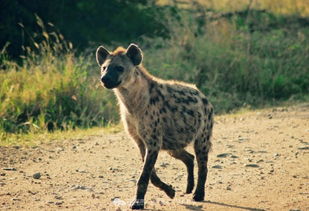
<point>259,161</point>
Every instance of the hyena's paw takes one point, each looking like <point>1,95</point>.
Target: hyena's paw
<point>137,204</point>
<point>198,197</point>
<point>190,187</point>
<point>170,192</point>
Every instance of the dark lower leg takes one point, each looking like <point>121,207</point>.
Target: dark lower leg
<point>155,180</point>
<point>143,181</point>
<point>199,193</point>
<point>158,183</point>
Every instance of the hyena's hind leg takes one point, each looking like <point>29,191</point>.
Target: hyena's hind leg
<point>155,180</point>
<point>188,160</point>
<point>201,148</point>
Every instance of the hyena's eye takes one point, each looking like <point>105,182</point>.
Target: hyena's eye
<point>119,69</point>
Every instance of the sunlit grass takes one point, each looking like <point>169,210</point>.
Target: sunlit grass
<point>52,89</point>
<point>43,137</point>
<point>286,7</point>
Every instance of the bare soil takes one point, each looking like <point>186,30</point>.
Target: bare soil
<point>259,161</point>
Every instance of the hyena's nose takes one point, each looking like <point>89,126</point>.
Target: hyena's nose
<point>105,79</point>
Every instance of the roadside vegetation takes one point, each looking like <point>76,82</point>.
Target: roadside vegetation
<point>245,58</point>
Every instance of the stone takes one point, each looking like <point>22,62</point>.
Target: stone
<point>252,165</point>
<point>37,175</point>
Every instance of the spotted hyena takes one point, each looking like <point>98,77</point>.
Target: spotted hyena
<point>158,114</point>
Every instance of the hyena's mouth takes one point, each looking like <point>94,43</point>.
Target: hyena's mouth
<point>111,85</point>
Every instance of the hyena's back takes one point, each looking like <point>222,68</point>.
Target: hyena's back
<point>184,111</point>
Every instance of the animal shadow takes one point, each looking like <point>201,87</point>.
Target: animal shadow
<point>200,208</point>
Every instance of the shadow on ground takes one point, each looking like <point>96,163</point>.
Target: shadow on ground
<point>200,208</point>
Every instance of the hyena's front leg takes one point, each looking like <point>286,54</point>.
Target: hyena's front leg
<point>156,181</point>
<point>142,184</point>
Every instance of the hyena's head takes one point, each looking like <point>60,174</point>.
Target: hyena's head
<point>118,69</point>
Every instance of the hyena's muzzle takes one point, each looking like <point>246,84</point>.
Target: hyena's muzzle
<point>111,77</point>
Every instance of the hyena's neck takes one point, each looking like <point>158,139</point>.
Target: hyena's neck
<point>135,97</point>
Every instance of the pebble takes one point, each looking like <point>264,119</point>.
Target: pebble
<point>59,203</point>
<point>81,171</point>
<point>81,187</point>
<point>37,175</point>
<point>9,169</point>
<point>117,201</point>
<point>252,165</point>
<point>217,167</point>
<point>223,155</point>
<point>261,151</point>
<point>58,197</point>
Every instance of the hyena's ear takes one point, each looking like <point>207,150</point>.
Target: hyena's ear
<point>135,54</point>
<point>101,55</point>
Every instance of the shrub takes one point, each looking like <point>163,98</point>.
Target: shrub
<point>234,65</point>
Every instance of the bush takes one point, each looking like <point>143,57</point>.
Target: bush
<point>234,65</point>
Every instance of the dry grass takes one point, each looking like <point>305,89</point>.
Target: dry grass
<point>34,139</point>
<point>286,7</point>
